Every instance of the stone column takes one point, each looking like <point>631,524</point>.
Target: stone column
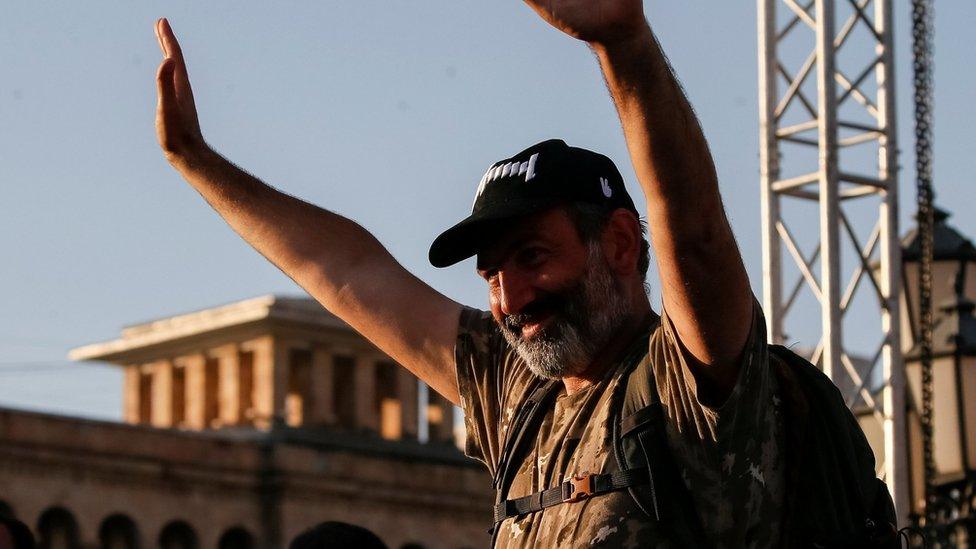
<point>442,411</point>
<point>282,376</point>
<point>130,397</point>
<point>229,401</point>
<point>322,411</point>
<point>407,390</point>
<point>196,387</point>
<point>264,380</point>
<point>367,417</point>
<point>161,414</point>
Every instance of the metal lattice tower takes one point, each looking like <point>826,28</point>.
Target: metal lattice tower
<point>827,139</point>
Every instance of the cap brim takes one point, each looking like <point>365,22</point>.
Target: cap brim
<point>473,233</point>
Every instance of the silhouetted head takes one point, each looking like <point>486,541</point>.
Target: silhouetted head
<point>336,535</point>
<point>15,534</point>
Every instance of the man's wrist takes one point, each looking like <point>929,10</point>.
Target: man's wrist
<point>624,43</point>
<point>194,158</point>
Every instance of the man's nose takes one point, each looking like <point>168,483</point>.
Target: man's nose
<point>514,293</point>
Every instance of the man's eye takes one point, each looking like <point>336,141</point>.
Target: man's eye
<point>531,256</point>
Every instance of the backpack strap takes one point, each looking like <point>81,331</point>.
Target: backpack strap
<point>574,489</point>
<point>523,429</point>
<point>640,441</point>
<point>646,422</point>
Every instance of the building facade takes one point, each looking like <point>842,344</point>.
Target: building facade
<point>244,425</point>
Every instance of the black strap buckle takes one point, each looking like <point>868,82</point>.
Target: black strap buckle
<point>578,488</point>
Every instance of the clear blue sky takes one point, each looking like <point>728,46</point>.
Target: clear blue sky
<point>387,112</point>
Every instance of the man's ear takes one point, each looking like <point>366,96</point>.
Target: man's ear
<point>622,242</point>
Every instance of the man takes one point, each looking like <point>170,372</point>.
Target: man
<point>561,248</point>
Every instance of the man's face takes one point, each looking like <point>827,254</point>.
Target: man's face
<point>554,297</point>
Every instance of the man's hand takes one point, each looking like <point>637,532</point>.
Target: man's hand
<point>595,21</point>
<point>177,126</point>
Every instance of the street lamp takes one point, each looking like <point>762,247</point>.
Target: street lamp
<point>953,383</point>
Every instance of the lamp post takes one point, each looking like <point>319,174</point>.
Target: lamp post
<point>951,505</point>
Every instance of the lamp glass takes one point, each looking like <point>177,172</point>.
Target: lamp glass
<point>946,433</point>
<point>946,442</point>
<point>944,274</point>
<point>967,369</point>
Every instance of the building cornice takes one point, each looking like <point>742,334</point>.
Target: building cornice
<point>276,308</point>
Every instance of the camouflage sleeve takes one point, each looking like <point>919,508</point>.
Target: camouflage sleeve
<point>491,380</point>
<point>749,409</point>
<point>679,393</point>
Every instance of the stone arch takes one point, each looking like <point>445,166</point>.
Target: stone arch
<point>236,538</point>
<point>118,531</point>
<point>57,529</point>
<point>178,535</point>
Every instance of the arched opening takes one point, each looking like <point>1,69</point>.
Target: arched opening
<point>344,400</point>
<point>236,538</point>
<point>178,535</point>
<point>118,532</point>
<point>57,529</point>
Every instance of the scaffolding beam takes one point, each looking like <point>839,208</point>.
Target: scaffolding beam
<point>796,42</point>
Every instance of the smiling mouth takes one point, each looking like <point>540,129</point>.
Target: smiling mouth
<point>533,329</point>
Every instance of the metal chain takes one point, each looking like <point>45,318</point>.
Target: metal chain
<point>922,31</point>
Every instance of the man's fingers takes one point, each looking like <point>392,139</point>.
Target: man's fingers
<point>159,36</point>
<point>171,47</point>
<point>166,87</point>
<point>178,79</point>
<point>169,119</point>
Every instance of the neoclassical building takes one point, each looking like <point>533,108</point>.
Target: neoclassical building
<point>243,425</point>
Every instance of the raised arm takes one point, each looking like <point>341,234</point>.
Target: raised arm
<point>703,282</point>
<point>335,260</point>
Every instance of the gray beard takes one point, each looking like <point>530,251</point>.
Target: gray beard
<point>589,315</point>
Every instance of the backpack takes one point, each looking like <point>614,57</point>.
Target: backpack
<point>833,497</point>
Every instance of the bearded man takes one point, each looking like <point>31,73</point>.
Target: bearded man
<point>562,249</point>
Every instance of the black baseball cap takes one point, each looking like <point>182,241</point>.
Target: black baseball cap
<point>544,175</point>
